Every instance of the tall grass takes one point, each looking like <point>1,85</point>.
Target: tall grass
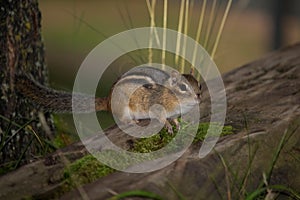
<point>207,13</point>
<point>238,188</point>
<point>264,189</point>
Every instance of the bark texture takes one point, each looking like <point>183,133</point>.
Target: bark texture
<point>21,51</point>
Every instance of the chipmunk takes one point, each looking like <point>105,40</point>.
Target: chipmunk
<point>149,86</point>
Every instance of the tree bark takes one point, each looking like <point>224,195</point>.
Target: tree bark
<point>22,126</point>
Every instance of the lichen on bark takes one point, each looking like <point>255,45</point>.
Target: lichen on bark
<point>22,127</point>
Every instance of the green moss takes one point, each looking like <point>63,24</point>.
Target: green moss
<point>58,142</point>
<point>203,127</point>
<point>65,131</point>
<point>85,170</point>
<point>158,141</point>
<point>120,160</point>
<point>153,143</point>
<point>89,169</point>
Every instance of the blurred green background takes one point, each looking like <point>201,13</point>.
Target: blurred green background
<point>72,28</point>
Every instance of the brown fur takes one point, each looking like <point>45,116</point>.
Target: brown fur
<point>60,101</point>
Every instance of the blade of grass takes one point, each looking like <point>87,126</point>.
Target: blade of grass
<point>165,17</point>
<point>256,193</point>
<point>224,18</point>
<point>275,158</point>
<point>5,135</point>
<point>186,23</point>
<point>124,22</point>
<point>210,23</point>
<point>219,34</point>
<point>179,195</point>
<point>10,121</point>
<point>139,55</point>
<point>199,31</point>
<point>283,189</point>
<point>35,134</point>
<point>151,9</point>
<point>21,127</point>
<point>288,133</point>
<point>179,30</point>
<point>100,33</point>
<point>217,187</point>
<point>242,189</point>
<point>276,188</point>
<point>128,15</point>
<point>225,165</point>
<point>23,153</point>
<point>137,193</point>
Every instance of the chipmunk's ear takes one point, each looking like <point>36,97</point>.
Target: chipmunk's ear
<point>192,71</point>
<point>174,78</point>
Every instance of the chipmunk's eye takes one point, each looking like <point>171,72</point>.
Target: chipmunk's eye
<point>200,86</point>
<point>148,86</point>
<point>182,87</point>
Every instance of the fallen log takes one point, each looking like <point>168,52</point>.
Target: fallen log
<point>263,107</point>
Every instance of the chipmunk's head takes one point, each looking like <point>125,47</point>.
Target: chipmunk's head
<point>186,88</point>
<point>196,86</point>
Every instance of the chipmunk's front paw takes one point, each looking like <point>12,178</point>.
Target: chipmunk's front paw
<point>170,130</point>
<point>177,124</point>
<point>169,127</point>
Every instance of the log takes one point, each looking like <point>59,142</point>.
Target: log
<point>263,107</point>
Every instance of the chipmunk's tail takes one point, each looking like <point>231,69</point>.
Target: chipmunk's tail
<point>55,100</point>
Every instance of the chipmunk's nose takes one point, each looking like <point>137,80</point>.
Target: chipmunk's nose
<point>198,97</point>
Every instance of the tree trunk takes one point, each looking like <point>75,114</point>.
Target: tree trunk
<point>23,128</point>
